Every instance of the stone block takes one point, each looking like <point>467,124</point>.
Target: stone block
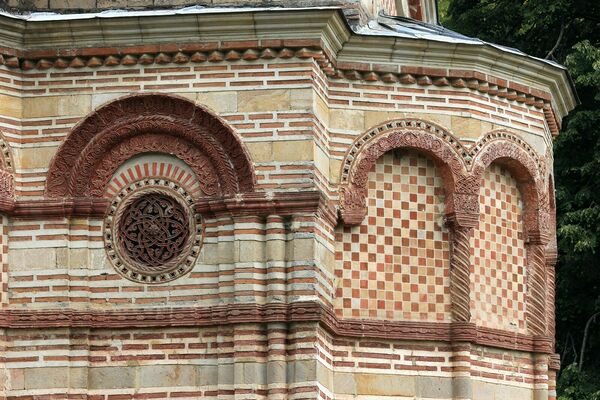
<point>483,390</point>
<point>98,259</point>
<point>167,375</point>
<point>431,387</point>
<point>301,99</point>
<point>335,168</point>
<point>302,371</point>
<point>38,157</point>
<point>263,100</point>
<point>260,151</point>
<point>538,394</point>
<point>220,102</point>
<point>206,375</point>
<point>31,259</point>
<point>462,388</point>
<point>46,378</point>
<point>72,258</point>
<point>16,379</point>
<point>374,118</point>
<point>304,249</point>
<point>225,374</point>
<point>10,106</point>
<point>73,4</point>
<point>384,385</point>
<point>101,99</point>
<point>349,120</point>
<point>251,251</point>
<point>344,383</point>
<point>467,127</point>
<point>103,4</point>
<point>321,110</point>
<point>74,105</point>
<point>275,250</point>
<point>276,372</point>
<point>115,377</point>
<point>34,107</point>
<point>443,120</point>
<point>293,150</point>
<point>78,378</point>
<point>250,373</point>
<point>321,160</point>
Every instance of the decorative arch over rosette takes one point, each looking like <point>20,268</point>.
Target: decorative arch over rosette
<point>422,136</point>
<point>508,150</point>
<point>150,123</point>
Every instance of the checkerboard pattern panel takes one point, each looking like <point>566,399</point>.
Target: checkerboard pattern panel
<point>498,268</point>
<point>395,265</point>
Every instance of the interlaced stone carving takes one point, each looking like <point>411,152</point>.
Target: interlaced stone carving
<point>151,233</point>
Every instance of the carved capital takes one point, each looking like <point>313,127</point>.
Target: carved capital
<point>463,209</point>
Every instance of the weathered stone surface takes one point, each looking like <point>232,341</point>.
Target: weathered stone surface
<point>221,102</point>
<point>293,150</point>
<point>167,375</point>
<point>10,106</point>
<point>351,120</point>
<point>35,157</point>
<point>263,100</point>
<point>429,387</point>
<point>32,259</point>
<point>112,377</point>
<point>384,385</point>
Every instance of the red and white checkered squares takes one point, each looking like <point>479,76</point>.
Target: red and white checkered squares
<point>395,265</point>
<point>498,269</point>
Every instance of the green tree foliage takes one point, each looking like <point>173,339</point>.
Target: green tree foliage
<point>566,31</point>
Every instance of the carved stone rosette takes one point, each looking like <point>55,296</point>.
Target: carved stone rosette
<point>151,232</point>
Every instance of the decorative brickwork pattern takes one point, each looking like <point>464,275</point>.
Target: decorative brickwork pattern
<point>498,272</point>
<point>395,265</point>
<point>154,166</point>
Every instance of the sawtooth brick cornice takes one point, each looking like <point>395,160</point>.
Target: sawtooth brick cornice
<point>321,34</point>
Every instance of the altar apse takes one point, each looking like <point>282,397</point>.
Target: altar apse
<point>293,200</point>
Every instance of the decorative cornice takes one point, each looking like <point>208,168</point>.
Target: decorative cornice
<point>322,34</point>
<point>281,49</point>
<point>245,204</point>
<point>279,312</point>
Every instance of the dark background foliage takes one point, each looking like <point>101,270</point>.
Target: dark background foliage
<point>566,31</point>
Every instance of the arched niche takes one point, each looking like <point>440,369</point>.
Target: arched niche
<point>402,176</point>
<point>150,123</point>
<point>503,160</point>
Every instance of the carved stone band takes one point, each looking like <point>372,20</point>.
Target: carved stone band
<point>151,233</point>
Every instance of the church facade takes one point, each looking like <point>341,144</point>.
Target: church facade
<point>293,200</point>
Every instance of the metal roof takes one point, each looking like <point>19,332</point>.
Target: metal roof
<point>408,28</point>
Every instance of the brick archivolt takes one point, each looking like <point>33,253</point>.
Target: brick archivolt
<point>462,171</point>
<point>150,123</point>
